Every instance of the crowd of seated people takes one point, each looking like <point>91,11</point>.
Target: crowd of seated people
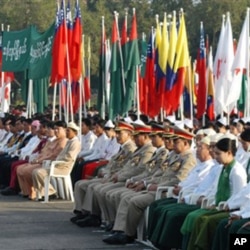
<point>193,181</point>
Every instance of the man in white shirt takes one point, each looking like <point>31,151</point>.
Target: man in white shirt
<point>95,153</point>
<point>88,138</point>
<point>90,169</point>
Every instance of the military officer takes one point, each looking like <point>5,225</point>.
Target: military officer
<point>133,167</point>
<point>82,192</point>
<point>132,206</point>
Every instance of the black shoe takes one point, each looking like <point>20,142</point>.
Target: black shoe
<point>77,212</point>
<point>89,221</point>
<point>2,187</point>
<point>109,227</point>
<point>119,239</point>
<point>78,217</point>
<point>9,191</point>
<point>51,197</point>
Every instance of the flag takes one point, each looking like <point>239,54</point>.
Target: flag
<point>241,103</point>
<point>171,54</point>
<point>188,93</point>
<point>210,87</point>
<point>201,71</point>
<point>58,71</point>
<point>240,65</point>
<point>87,88</point>
<point>180,65</point>
<point>116,91</point>
<point>40,54</point>
<point>16,50</point>
<point>69,39</point>
<point>155,109</point>
<point>162,64</point>
<point>149,79</point>
<point>170,74</point>
<point>102,74</point>
<point>5,90</point>
<point>224,66</point>
<point>132,63</point>
<point>143,87</point>
<point>124,42</point>
<point>76,52</point>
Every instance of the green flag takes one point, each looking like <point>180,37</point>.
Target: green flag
<point>116,80</point>
<point>242,99</point>
<point>40,53</point>
<point>40,87</point>
<point>132,62</point>
<point>16,50</point>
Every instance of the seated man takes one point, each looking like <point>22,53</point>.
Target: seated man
<point>83,192</point>
<point>139,182</point>
<point>95,153</point>
<point>5,166</point>
<point>68,155</point>
<point>158,210</point>
<point>56,142</point>
<point>133,167</point>
<point>132,206</point>
<point>112,148</point>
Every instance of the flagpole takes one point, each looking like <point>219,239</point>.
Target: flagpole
<point>54,102</point>
<point>82,87</point>
<point>69,94</point>
<point>247,70</point>
<point>2,75</point>
<point>103,71</point>
<point>120,51</point>
<point>89,57</point>
<point>191,90</point>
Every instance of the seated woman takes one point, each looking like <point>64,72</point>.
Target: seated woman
<point>202,222</point>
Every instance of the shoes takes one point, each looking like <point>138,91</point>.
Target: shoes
<point>78,217</point>
<point>119,238</point>
<point>3,187</point>
<point>109,227</point>
<point>77,212</point>
<point>9,191</point>
<point>51,197</point>
<point>89,221</point>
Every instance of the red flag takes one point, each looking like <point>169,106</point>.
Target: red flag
<point>76,51</point>
<point>201,71</point>
<point>58,70</point>
<point>149,81</point>
<point>210,90</point>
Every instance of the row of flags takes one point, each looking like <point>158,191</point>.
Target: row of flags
<point>154,76</point>
<point>56,54</point>
<point>68,64</point>
<point>164,79</point>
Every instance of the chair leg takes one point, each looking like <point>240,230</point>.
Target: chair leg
<point>71,190</point>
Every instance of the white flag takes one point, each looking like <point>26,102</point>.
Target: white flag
<point>223,73</point>
<point>239,64</point>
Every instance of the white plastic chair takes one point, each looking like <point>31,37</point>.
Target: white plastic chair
<point>66,179</point>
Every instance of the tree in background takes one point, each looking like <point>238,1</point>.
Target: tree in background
<point>19,14</point>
